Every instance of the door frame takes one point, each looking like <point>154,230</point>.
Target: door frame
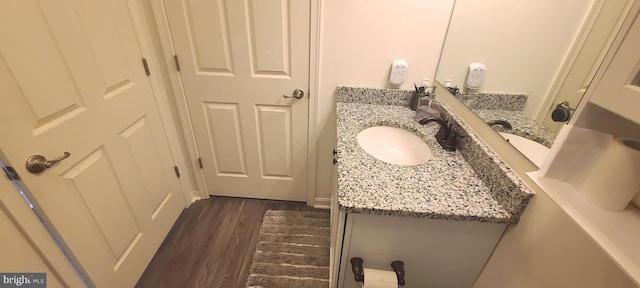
<point>596,12</point>
<point>162,26</point>
<point>143,30</point>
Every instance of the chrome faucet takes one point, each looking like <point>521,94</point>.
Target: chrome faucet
<point>446,136</point>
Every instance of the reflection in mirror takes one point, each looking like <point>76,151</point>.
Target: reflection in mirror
<point>535,55</point>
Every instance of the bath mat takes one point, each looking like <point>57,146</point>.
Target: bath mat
<point>292,251</point>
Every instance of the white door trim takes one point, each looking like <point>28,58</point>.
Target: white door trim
<point>162,25</point>
<point>167,47</point>
<point>595,12</point>
<point>314,80</point>
<point>161,98</point>
<point>610,55</point>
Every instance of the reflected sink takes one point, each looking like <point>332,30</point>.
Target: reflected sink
<point>394,145</point>
<point>533,150</point>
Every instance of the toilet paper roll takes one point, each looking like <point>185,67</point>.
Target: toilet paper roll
<point>374,278</point>
<point>614,178</point>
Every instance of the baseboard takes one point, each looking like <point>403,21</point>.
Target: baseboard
<point>194,198</point>
<point>322,203</point>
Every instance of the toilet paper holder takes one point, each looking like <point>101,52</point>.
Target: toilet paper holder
<point>358,270</point>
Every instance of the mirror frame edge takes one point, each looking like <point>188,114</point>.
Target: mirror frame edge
<point>517,161</point>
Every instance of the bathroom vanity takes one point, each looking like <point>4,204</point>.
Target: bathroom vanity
<point>442,218</point>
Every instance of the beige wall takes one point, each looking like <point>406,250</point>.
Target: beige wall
<point>546,248</point>
<point>522,43</point>
<point>359,40</point>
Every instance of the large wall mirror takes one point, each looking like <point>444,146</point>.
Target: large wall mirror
<point>539,57</point>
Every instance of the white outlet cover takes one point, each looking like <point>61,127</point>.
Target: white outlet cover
<point>476,75</point>
<point>399,69</point>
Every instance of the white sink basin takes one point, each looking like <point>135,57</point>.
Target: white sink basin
<point>394,145</point>
<point>533,150</point>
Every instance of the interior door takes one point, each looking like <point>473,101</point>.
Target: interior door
<point>619,88</point>
<point>590,54</point>
<point>72,80</point>
<point>238,59</point>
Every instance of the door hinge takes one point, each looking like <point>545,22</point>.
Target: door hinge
<point>146,66</point>
<point>175,168</point>
<point>200,162</point>
<point>11,173</point>
<point>175,59</point>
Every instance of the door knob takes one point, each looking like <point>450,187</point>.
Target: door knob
<point>298,94</point>
<point>38,163</point>
<point>562,113</point>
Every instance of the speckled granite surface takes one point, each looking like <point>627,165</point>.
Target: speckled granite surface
<point>373,95</point>
<point>446,187</point>
<point>522,125</point>
<point>493,100</point>
<point>505,185</point>
<point>507,106</point>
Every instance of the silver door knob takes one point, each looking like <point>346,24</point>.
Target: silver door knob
<point>38,163</point>
<point>298,94</point>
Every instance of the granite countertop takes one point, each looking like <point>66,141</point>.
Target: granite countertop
<point>445,187</point>
<point>521,123</point>
<point>507,106</point>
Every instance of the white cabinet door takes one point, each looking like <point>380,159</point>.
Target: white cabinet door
<point>72,79</point>
<point>238,59</point>
<point>436,253</point>
<point>619,89</point>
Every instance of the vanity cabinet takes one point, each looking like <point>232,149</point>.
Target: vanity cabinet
<point>436,253</point>
<point>337,231</point>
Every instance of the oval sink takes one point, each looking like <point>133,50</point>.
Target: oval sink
<point>394,145</point>
<point>533,150</point>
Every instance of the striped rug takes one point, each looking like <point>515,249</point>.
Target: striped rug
<point>292,251</point>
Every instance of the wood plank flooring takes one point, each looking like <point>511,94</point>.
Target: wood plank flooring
<point>212,244</point>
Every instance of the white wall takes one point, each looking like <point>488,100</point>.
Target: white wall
<point>359,40</point>
<point>547,249</point>
<point>523,43</point>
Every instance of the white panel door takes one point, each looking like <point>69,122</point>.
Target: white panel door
<point>71,79</point>
<point>238,59</point>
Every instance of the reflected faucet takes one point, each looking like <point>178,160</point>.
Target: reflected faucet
<point>502,123</point>
<point>446,136</point>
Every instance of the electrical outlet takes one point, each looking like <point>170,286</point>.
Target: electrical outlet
<point>475,75</point>
<point>399,69</point>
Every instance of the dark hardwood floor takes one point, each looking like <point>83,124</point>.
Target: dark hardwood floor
<point>212,244</point>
